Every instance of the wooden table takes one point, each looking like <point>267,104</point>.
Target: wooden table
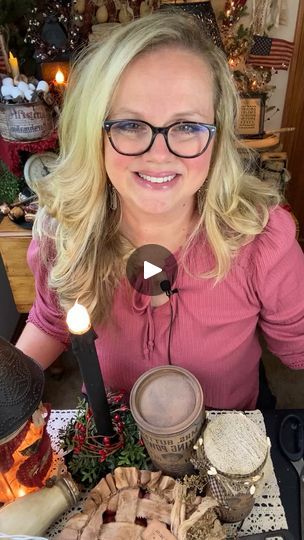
<point>14,242</point>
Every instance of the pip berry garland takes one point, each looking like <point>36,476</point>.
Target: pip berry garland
<point>89,456</point>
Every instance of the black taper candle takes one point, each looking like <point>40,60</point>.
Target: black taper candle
<point>83,346</point>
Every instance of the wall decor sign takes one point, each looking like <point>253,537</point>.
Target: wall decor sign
<point>251,115</point>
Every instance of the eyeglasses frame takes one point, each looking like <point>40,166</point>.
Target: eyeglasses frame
<point>155,131</point>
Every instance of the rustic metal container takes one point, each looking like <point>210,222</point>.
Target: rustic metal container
<point>167,405</point>
<point>21,388</point>
<point>25,121</point>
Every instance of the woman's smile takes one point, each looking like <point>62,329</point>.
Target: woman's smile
<point>160,179</point>
<point>157,181</point>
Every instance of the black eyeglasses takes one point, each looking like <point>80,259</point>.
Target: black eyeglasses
<point>135,137</point>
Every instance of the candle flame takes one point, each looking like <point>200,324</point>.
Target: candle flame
<point>78,319</point>
<point>11,56</point>
<point>13,62</point>
<point>59,77</point>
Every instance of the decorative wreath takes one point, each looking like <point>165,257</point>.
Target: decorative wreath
<point>89,456</point>
<point>60,14</point>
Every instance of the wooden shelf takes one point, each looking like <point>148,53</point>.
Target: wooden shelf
<point>266,143</point>
<point>14,242</point>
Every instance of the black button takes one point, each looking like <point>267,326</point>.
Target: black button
<point>148,266</point>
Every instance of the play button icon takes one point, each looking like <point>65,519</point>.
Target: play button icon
<point>148,266</point>
<point>151,270</point>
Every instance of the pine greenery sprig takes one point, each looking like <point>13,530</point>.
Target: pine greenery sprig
<point>88,456</point>
<point>9,185</point>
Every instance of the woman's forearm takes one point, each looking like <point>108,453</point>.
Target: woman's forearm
<point>40,346</point>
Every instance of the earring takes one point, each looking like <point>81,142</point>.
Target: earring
<point>113,198</point>
<point>200,200</point>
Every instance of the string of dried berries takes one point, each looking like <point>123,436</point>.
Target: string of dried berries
<point>89,456</point>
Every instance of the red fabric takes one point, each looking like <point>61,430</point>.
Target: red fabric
<point>10,151</point>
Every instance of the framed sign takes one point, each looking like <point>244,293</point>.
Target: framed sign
<point>251,115</point>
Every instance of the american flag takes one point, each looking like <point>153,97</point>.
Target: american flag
<point>270,52</point>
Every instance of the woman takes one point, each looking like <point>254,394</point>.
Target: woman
<point>123,181</point>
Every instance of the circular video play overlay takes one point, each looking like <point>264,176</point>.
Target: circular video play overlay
<point>149,266</point>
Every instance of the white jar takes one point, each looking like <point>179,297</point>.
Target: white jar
<point>34,513</point>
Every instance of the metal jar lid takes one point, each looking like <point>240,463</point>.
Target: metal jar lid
<point>166,400</point>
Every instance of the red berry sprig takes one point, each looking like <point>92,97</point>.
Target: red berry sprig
<point>93,455</point>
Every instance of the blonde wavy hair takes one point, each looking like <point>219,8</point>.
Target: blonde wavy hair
<point>90,251</point>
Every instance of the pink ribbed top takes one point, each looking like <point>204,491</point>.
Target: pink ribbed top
<point>214,329</point>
